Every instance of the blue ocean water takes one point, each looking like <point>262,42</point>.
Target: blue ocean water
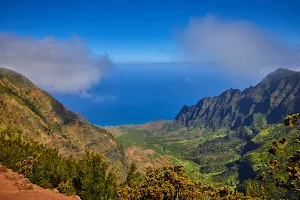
<point>139,93</point>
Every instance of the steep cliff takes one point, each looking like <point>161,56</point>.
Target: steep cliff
<point>36,114</point>
<point>277,95</point>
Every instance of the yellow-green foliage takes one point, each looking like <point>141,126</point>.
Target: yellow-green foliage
<point>87,176</point>
<point>254,188</point>
<point>292,120</point>
<point>26,166</point>
<point>291,166</point>
<point>269,133</point>
<point>170,182</point>
<point>278,160</point>
<point>67,187</point>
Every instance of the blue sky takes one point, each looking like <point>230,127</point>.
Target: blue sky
<point>122,62</point>
<point>139,30</point>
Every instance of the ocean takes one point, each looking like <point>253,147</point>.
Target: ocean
<point>139,93</point>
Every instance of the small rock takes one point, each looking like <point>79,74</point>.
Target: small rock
<point>77,197</point>
<point>55,190</point>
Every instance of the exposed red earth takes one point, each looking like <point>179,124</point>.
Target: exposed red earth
<point>14,186</point>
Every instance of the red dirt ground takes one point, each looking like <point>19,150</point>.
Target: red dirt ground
<point>14,186</point>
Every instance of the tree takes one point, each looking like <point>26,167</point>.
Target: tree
<point>67,187</point>
<point>92,176</point>
<point>285,173</point>
<point>132,175</point>
<point>87,176</point>
<point>292,166</point>
<point>170,182</point>
<point>26,166</point>
<point>259,121</point>
<point>253,188</point>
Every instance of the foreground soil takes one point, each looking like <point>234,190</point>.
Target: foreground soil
<point>14,186</point>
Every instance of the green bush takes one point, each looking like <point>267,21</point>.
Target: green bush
<point>87,177</point>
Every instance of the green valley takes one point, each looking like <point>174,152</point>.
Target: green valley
<point>223,157</point>
<point>44,140</point>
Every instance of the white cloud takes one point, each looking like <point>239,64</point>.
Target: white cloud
<point>238,46</point>
<point>59,66</point>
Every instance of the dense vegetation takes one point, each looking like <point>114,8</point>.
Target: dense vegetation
<point>224,157</point>
<point>38,115</point>
<point>277,164</point>
<point>170,182</point>
<point>207,155</point>
<point>87,176</point>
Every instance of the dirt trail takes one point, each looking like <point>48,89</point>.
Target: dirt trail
<point>14,186</point>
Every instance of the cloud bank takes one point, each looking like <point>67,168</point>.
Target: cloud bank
<point>59,66</point>
<point>238,46</point>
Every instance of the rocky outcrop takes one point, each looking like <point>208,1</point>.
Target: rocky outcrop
<point>277,95</point>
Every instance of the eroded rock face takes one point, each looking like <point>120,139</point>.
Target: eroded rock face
<point>277,95</point>
<point>25,107</point>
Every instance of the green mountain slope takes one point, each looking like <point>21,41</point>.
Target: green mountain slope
<point>222,157</point>
<point>37,115</point>
<point>277,95</point>
<point>223,140</point>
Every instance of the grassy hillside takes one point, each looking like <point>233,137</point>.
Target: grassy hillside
<point>177,147</point>
<point>37,115</point>
<point>223,157</point>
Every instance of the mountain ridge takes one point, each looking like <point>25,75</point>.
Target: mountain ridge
<point>37,115</point>
<point>272,97</point>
